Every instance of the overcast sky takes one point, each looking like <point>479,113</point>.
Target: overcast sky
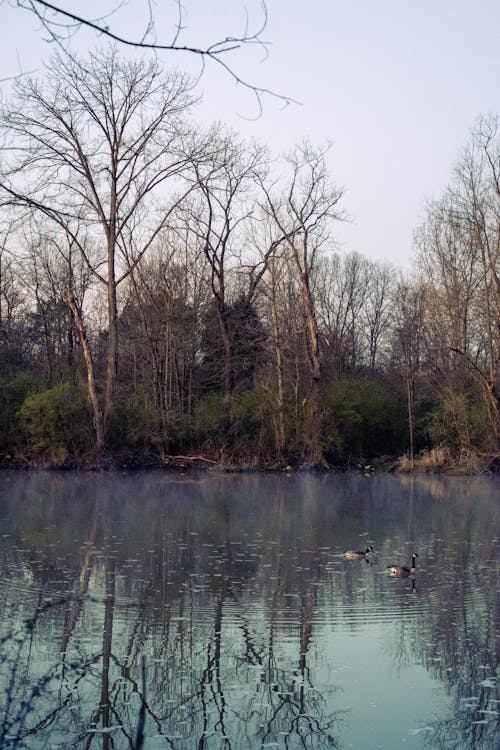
<point>395,85</point>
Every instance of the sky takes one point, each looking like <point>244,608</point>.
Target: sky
<point>394,85</point>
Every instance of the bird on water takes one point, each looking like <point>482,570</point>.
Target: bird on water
<point>402,570</point>
<point>353,554</point>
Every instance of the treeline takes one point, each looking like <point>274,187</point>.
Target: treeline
<point>170,290</point>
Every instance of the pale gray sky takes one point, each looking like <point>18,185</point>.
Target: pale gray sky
<point>395,84</point>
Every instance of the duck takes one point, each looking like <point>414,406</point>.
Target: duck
<point>358,554</point>
<point>402,570</point>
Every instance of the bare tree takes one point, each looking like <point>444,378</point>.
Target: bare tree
<point>10,297</point>
<point>169,295</point>
<point>302,209</point>
<point>94,146</point>
<point>378,307</point>
<point>341,286</point>
<point>274,295</point>
<point>408,345</point>
<point>50,265</point>
<point>476,199</point>
<point>459,249</point>
<point>221,224</point>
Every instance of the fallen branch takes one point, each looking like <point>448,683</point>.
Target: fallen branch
<point>190,458</point>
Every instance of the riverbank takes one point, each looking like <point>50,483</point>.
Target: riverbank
<point>435,460</point>
<point>442,460</point>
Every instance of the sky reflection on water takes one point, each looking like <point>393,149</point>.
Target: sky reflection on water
<point>253,628</point>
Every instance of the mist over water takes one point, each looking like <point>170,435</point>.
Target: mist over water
<point>219,610</point>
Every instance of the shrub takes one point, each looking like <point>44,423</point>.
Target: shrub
<point>459,420</point>
<point>133,423</point>
<point>362,418</point>
<point>248,431</point>
<point>57,422</point>
<point>208,413</point>
<point>252,421</point>
<point>13,391</point>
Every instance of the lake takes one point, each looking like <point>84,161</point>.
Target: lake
<point>190,611</point>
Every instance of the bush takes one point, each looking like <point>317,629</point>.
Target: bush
<point>208,416</point>
<point>57,422</point>
<point>459,420</point>
<point>362,418</point>
<point>252,423</point>
<point>133,424</point>
<point>13,391</point>
<point>248,430</point>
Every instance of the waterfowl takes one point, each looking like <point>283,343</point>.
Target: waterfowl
<point>402,570</point>
<point>358,554</point>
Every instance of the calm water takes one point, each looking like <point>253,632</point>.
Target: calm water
<point>220,612</point>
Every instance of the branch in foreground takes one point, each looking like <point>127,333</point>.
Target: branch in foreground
<point>65,24</point>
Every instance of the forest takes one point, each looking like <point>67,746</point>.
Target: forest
<point>171,293</point>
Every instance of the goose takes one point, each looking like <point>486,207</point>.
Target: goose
<point>358,554</point>
<point>402,570</point>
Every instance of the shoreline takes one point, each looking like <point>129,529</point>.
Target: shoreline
<point>434,461</point>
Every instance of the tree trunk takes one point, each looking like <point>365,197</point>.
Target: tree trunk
<point>112,360</point>
<point>315,455</point>
<point>91,385</point>
<point>313,427</point>
<point>280,436</point>
<point>411,421</point>
<point>227,376</point>
<point>494,403</point>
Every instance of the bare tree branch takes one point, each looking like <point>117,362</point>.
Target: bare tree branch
<point>61,24</point>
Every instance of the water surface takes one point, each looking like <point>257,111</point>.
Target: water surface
<point>218,611</point>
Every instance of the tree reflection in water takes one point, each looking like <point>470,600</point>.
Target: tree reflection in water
<point>194,613</point>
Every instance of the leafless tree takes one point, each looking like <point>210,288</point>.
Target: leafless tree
<point>220,222</point>
<point>169,292</point>
<point>408,345</point>
<point>95,148</point>
<point>48,266</point>
<point>302,208</point>
<point>341,285</point>
<point>377,310</point>
<point>459,249</point>
<point>10,296</point>
<point>273,293</point>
